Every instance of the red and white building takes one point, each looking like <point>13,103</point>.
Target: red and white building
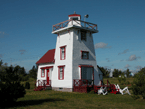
<point>73,59</point>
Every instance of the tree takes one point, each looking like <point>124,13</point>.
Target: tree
<point>2,68</point>
<point>138,85</point>
<point>33,72</point>
<point>10,86</point>
<point>127,72</point>
<point>116,72</point>
<point>21,72</point>
<point>122,78</point>
<point>105,71</point>
<point>1,62</point>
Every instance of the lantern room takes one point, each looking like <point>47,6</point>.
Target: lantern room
<point>75,16</point>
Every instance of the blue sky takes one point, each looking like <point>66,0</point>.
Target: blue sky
<point>26,26</point>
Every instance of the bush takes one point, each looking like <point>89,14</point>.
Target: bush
<point>138,85</point>
<point>10,87</point>
<point>27,85</point>
<point>119,79</point>
<point>11,92</point>
<point>92,92</point>
<point>127,83</point>
<point>25,78</point>
<point>122,79</point>
<point>122,83</point>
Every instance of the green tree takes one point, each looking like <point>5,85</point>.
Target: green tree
<point>116,72</point>
<point>127,72</point>
<point>21,72</point>
<point>1,62</point>
<point>138,85</point>
<point>33,72</point>
<point>122,78</point>
<point>10,86</point>
<point>105,71</point>
<point>2,68</point>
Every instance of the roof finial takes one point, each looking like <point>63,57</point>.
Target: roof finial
<point>74,12</point>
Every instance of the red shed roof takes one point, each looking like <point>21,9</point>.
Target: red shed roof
<point>73,15</point>
<point>48,57</point>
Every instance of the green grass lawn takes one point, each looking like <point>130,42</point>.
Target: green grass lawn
<point>50,99</point>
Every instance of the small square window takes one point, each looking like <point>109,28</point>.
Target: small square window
<point>85,55</point>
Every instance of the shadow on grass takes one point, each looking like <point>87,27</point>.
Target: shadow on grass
<point>30,102</point>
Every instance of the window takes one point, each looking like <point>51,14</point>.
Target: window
<point>83,35</point>
<point>75,18</point>
<point>62,53</point>
<point>60,72</point>
<point>42,72</point>
<point>85,54</point>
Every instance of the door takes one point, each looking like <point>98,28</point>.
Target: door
<point>87,73</point>
<point>47,77</point>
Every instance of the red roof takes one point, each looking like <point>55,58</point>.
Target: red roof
<point>73,15</point>
<point>48,57</point>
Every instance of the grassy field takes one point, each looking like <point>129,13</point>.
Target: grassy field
<point>73,100</point>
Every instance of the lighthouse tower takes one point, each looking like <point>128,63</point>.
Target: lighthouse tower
<point>74,54</point>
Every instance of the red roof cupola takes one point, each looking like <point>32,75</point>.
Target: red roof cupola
<point>74,16</point>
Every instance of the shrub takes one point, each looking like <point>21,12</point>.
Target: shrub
<point>10,87</point>
<point>27,85</point>
<point>119,79</point>
<point>122,79</point>
<point>138,85</point>
<point>92,92</point>
<point>122,83</point>
<point>127,83</point>
<point>11,92</point>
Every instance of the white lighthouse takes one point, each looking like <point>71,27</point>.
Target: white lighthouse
<point>74,58</point>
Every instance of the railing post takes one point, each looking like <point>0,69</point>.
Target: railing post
<point>62,25</point>
<point>71,21</point>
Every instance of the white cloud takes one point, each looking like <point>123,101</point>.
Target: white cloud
<point>125,51</point>
<point>101,45</point>
<point>133,57</point>
<point>127,66</point>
